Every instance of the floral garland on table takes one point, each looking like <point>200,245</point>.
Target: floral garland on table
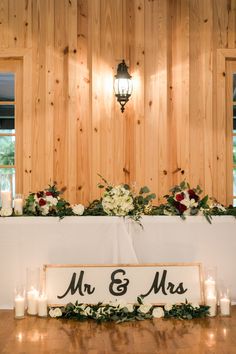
<point>121,200</point>
<point>186,201</point>
<point>123,312</point>
<point>49,202</point>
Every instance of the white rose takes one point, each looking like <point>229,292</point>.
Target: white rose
<point>168,307</point>
<point>130,307</point>
<point>145,308</point>
<point>55,312</point>
<point>78,209</point>
<point>6,212</point>
<point>158,312</point>
<point>50,199</point>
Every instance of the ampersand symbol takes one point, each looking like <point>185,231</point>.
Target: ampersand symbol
<point>120,284</point>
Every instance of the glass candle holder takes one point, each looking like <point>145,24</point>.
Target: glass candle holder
<point>18,204</point>
<point>19,302</point>
<point>211,300</point>
<point>32,290</point>
<point>210,281</point>
<point>225,302</point>
<point>6,191</point>
<point>42,305</point>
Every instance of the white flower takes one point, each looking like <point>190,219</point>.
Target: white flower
<point>78,209</point>
<point>87,311</point>
<point>167,212</point>
<point>168,307</point>
<point>45,209</point>
<point>145,308</point>
<point>6,212</point>
<point>55,312</point>
<point>50,199</point>
<point>118,201</point>
<point>130,307</point>
<point>158,312</point>
<point>189,203</point>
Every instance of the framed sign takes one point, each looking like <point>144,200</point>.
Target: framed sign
<point>157,283</point>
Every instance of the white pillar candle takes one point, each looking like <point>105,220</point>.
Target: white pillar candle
<point>210,286</point>
<point>32,301</point>
<point>19,306</point>
<point>211,301</point>
<point>6,199</point>
<point>18,206</point>
<point>42,306</point>
<point>225,306</point>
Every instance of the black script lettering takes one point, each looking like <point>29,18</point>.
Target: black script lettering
<point>73,287</point>
<point>121,289</point>
<point>179,289</point>
<point>161,286</point>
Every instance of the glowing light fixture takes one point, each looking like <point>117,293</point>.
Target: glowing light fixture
<point>123,85</point>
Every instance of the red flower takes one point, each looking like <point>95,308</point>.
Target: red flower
<point>193,195</point>
<point>181,208</point>
<point>39,194</point>
<point>48,193</point>
<point>179,196</point>
<point>42,202</point>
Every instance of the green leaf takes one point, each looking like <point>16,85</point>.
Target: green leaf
<point>144,189</point>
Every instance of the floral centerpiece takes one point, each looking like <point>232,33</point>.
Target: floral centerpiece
<point>125,312</point>
<point>121,200</point>
<point>184,201</point>
<point>49,202</point>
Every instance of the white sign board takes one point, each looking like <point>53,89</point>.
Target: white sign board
<point>158,283</point>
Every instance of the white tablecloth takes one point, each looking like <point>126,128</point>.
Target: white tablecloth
<point>34,241</point>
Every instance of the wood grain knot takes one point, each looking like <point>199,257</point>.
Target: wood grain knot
<point>176,170</point>
<point>150,103</point>
<point>206,20</point>
<point>224,74</point>
<point>26,24</point>
<point>57,81</point>
<point>79,188</point>
<point>126,171</point>
<point>96,129</point>
<point>66,50</point>
<point>182,172</point>
<point>164,172</point>
<point>138,121</point>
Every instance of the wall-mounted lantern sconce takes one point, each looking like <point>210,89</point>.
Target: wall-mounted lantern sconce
<point>123,85</point>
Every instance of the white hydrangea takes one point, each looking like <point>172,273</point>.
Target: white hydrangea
<point>45,209</point>
<point>78,209</point>
<point>118,201</point>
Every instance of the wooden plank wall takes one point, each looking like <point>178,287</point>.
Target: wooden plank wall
<point>168,131</point>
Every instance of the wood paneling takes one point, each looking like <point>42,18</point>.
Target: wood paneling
<point>73,128</point>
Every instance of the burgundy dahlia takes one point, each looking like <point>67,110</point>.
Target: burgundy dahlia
<point>42,202</point>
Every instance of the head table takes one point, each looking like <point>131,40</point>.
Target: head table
<point>35,241</point>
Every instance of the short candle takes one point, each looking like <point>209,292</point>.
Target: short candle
<point>18,206</point>
<point>19,306</point>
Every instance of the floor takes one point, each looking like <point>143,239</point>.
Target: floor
<point>34,335</point>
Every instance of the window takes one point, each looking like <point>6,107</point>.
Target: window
<point>10,124</point>
<point>231,127</point>
<point>7,129</point>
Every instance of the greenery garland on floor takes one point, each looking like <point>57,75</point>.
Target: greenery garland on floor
<point>119,312</point>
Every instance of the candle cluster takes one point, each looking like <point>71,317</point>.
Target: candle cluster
<point>211,298</point>
<point>6,204</point>
<point>34,300</point>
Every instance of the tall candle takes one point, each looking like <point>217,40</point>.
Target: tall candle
<point>211,301</point>
<point>210,286</point>
<point>32,301</point>
<point>19,306</point>
<point>18,206</point>
<point>225,306</point>
<point>6,199</point>
<point>42,306</point>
